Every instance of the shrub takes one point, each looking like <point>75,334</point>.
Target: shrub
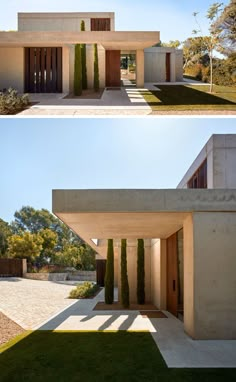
<point>109,276</point>
<point>96,69</point>
<point>85,290</point>
<point>11,102</point>
<point>77,71</point>
<point>124,276</point>
<point>140,273</point>
<point>83,59</point>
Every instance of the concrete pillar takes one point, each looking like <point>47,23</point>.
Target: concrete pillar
<point>209,275</point>
<point>65,69</point>
<point>158,273</point>
<point>172,67</point>
<point>140,68</point>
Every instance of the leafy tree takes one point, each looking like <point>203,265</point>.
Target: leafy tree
<point>29,219</point>
<point>87,258</point>
<point>78,71</point>
<point>140,273</point>
<point>124,276</point>
<point>26,246</point>
<point>83,59</point>
<point>5,233</point>
<point>96,70</point>
<point>48,246</point>
<point>211,41</point>
<point>109,276</point>
<point>195,51</point>
<point>226,26</point>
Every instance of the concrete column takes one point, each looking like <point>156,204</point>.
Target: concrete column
<point>140,68</point>
<point>65,69</point>
<point>209,275</point>
<point>172,67</point>
<point>158,273</point>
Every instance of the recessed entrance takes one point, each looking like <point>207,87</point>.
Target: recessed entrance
<point>43,70</point>
<point>128,68</point>
<point>112,68</point>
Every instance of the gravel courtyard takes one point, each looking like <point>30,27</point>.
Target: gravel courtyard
<point>31,302</point>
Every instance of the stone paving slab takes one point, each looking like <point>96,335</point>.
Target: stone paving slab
<point>31,302</point>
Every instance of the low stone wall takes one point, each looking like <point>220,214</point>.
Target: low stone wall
<point>82,276</point>
<point>47,276</point>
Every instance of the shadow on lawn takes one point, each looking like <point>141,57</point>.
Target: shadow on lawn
<point>184,95</point>
<point>95,356</point>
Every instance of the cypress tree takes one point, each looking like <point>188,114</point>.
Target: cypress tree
<point>124,276</point>
<point>83,59</point>
<point>109,275</point>
<point>77,71</point>
<point>96,69</point>
<point>140,273</point>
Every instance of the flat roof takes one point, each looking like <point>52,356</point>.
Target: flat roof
<point>102,214</point>
<point>108,39</point>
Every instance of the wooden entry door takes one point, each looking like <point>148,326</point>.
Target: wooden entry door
<point>172,275</point>
<point>167,67</point>
<point>43,70</point>
<point>113,68</point>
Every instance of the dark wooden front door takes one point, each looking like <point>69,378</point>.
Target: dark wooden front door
<point>101,270</point>
<point>43,70</point>
<point>167,67</point>
<point>113,68</point>
<point>172,275</point>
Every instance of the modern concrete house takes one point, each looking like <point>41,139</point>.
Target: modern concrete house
<point>189,235</point>
<point>39,57</point>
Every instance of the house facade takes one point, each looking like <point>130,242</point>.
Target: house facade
<point>39,56</point>
<point>189,236</point>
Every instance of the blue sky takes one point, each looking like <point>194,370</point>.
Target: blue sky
<point>38,155</point>
<point>172,18</point>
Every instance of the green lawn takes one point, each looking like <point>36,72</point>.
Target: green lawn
<point>94,356</point>
<point>186,97</point>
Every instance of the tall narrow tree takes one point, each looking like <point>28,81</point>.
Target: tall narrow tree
<point>140,273</point>
<point>109,275</point>
<point>124,276</point>
<point>83,59</point>
<point>96,69</point>
<point>77,71</point>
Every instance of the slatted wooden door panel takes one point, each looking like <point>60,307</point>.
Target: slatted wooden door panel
<point>43,70</point>
<point>172,275</point>
<point>113,68</point>
<point>167,67</point>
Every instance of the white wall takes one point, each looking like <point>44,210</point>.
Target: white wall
<point>158,273</point>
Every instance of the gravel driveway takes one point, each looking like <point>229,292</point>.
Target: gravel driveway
<point>31,302</point>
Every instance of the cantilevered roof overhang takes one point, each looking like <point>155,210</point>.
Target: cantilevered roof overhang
<point>130,214</point>
<point>109,40</point>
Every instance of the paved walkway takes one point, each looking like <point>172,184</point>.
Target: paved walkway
<point>123,101</point>
<point>43,305</point>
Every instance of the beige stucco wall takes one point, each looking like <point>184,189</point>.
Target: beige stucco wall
<point>158,273</point>
<point>12,68</point>
<point>59,21</point>
<point>209,275</point>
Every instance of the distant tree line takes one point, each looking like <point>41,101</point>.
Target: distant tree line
<point>43,239</point>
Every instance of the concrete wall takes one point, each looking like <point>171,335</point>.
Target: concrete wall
<point>220,151</point>
<point>12,68</point>
<point>158,273</point>
<point>82,275</point>
<point>59,21</point>
<point>209,275</point>
<point>46,276</point>
<point>155,64</point>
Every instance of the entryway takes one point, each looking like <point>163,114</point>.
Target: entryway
<point>43,70</point>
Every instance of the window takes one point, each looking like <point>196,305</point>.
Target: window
<point>199,178</point>
<point>100,25</point>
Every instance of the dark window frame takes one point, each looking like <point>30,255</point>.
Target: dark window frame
<point>199,178</point>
